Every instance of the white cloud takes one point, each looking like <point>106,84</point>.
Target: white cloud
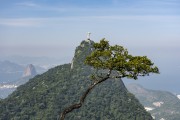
<point>30,22</point>
<point>43,7</point>
<point>27,4</point>
<point>22,22</point>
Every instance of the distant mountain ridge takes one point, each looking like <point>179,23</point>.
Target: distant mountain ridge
<point>45,96</point>
<point>7,88</point>
<point>160,104</point>
<point>10,71</point>
<point>34,60</point>
<point>7,66</point>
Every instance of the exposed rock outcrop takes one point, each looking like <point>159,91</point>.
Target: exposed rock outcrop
<point>29,71</point>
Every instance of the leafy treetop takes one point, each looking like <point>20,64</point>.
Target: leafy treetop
<point>117,58</point>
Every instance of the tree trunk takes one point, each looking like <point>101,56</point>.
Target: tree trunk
<point>82,98</point>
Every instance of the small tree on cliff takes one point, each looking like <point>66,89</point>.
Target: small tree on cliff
<point>112,62</point>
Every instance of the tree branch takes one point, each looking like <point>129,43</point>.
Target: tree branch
<point>83,97</point>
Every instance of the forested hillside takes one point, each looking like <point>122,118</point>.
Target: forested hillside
<point>46,95</point>
<point>162,104</point>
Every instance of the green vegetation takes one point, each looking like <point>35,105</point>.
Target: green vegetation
<point>116,58</point>
<point>107,59</point>
<point>45,96</point>
<point>170,107</point>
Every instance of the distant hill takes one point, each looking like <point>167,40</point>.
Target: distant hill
<point>7,88</point>
<point>10,71</point>
<point>45,96</point>
<point>7,66</point>
<point>34,60</point>
<point>160,104</point>
<point>29,71</point>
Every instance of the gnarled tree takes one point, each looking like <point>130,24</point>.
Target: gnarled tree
<point>112,62</point>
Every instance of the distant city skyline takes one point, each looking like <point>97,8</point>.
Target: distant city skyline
<point>55,28</point>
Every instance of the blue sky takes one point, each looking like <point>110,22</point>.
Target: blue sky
<point>55,27</point>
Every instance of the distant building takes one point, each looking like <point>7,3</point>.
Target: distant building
<point>148,108</point>
<point>178,96</point>
<point>158,104</point>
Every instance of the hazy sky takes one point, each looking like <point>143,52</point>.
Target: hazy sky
<point>55,27</point>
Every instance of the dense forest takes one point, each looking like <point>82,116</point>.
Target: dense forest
<point>45,96</point>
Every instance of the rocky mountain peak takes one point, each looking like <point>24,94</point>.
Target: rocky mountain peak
<point>81,52</point>
<point>29,71</point>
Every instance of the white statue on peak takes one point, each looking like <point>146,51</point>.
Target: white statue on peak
<point>88,35</point>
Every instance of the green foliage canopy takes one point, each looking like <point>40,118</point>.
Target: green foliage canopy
<point>112,62</point>
<point>117,58</point>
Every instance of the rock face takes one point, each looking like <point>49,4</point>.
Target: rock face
<point>29,71</point>
<point>45,96</point>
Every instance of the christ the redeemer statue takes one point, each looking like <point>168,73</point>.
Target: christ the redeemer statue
<point>88,35</point>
